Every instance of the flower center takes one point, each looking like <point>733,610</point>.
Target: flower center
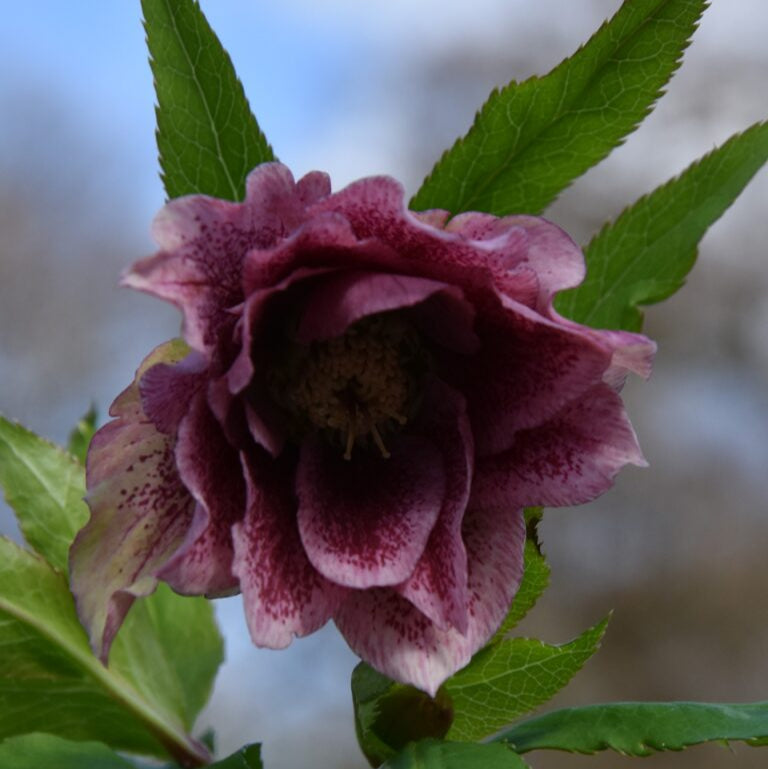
<point>356,388</point>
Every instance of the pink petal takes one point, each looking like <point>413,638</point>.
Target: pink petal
<point>204,243</point>
<point>571,459</point>
<point>167,390</point>
<point>343,298</point>
<point>313,187</point>
<point>398,640</point>
<point>210,469</point>
<point>527,369</point>
<point>283,595</point>
<point>438,584</point>
<point>366,521</point>
<point>140,512</point>
<point>544,248</point>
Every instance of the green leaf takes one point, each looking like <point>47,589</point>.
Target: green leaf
<point>207,137</point>
<point>512,677</point>
<point>80,437</point>
<point>248,757</point>
<point>644,256</point>
<point>170,649</point>
<point>45,487</point>
<point>36,751</point>
<point>50,681</point>
<point>639,728</point>
<point>389,715</point>
<point>531,140</point>
<point>431,754</point>
<point>534,583</point>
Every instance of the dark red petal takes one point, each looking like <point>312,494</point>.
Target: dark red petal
<point>366,521</point>
<point>343,298</point>
<point>438,585</point>
<point>210,469</point>
<point>527,369</point>
<point>168,389</point>
<point>283,594</point>
<point>571,459</point>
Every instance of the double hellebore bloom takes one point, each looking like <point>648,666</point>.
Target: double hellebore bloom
<point>365,400</point>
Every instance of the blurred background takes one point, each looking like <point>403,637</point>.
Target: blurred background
<point>678,550</point>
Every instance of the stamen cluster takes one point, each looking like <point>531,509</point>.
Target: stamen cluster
<point>358,385</point>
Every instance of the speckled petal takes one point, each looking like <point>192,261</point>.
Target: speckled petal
<point>528,242</point>
<point>283,594</point>
<point>167,390</point>
<point>365,521</point>
<point>140,512</point>
<point>438,585</point>
<point>394,637</point>
<point>210,469</point>
<point>205,241</point>
<point>571,459</point>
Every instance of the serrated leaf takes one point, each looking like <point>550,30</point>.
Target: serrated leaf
<point>530,140</point>
<point>512,677</point>
<point>389,715</point>
<point>639,728</point>
<point>207,136</point>
<point>51,682</point>
<point>645,255</point>
<point>248,757</point>
<point>45,487</point>
<point>535,581</point>
<point>80,437</point>
<point>431,754</point>
<point>37,751</point>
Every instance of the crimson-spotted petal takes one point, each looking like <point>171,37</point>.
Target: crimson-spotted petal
<point>140,513</point>
<point>365,521</point>
<point>283,594</point>
<point>397,639</point>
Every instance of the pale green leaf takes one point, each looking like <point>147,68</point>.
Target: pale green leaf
<point>207,137</point>
<point>80,437</point>
<point>534,583</point>
<point>431,754</point>
<point>44,751</point>
<point>512,677</point>
<point>51,682</point>
<point>531,140</point>
<point>45,487</point>
<point>639,728</point>
<point>170,649</point>
<point>645,255</point>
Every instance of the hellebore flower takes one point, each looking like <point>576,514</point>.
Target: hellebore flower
<point>365,401</point>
